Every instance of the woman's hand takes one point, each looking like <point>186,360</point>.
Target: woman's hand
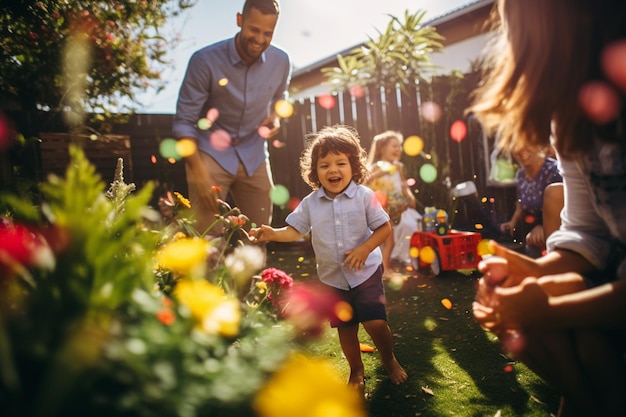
<point>515,307</point>
<point>518,266</point>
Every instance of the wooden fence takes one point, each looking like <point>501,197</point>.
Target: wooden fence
<point>376,110</point>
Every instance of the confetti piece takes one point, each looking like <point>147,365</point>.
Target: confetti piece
<point>446,303</point>
<point>365,348</point>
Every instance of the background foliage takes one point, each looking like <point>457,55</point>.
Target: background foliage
<point>83,55</point>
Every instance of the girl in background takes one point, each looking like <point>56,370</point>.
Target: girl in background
<point>387,179</point>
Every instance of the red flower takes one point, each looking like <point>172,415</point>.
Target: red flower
<point>21,245</point>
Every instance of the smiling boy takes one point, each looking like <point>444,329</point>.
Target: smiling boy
<point>347,226</point>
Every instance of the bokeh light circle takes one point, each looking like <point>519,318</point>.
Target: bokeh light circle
<point>343,311</point>
<point>284,109</point>
<point>427,255</point>
<point>212,114</point>
<point>220,139</point>
<point>431,111</point>
<point>356,91</point>
<point>413,145</point>
<point>4,133</point>
<point>279,195</point>
<point>428,173</point>
<point>204,124</point>
<point>458,131</point>
<point>396,282</point>
<point>600,101</point>
<point>186,147</point>
<point>414,252</point>
<point>264,132</point>
<point>483,248</point>
<point>326,101</point>
<point>381,196</point>
<point>293,203</point>
<point>167,149</point>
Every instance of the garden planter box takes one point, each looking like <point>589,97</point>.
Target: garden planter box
<point>102,152</point>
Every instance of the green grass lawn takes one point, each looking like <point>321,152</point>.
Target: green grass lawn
<point>455,368</point>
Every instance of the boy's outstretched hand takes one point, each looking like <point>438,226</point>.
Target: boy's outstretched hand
<point>260,234</point>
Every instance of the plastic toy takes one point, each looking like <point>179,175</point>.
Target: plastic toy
<point>444,252</point>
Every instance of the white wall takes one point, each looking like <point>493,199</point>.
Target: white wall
<point>459,55</point>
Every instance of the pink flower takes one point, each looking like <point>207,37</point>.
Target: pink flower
<point>276,277</point>
<point>309,307</point>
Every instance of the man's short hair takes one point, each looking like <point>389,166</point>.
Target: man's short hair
<point>265,6</point>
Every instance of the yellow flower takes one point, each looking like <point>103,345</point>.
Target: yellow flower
<point>262,286</point>
<point>184,256</point>
<point>213,310</point>
<point>182,200</point>
<point>308,387</point>
<point>223,318</point>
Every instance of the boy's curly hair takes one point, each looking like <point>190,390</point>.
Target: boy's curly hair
<point>336,139</point>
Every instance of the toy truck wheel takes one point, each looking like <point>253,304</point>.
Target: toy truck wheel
<point>415,263</point>
<point>435,266</point>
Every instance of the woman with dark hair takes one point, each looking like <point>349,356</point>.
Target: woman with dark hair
<point>558,68</point>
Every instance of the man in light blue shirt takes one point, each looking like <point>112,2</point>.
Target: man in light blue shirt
<point>226,105</point>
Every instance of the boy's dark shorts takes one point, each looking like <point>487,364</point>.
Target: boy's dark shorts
<point>367,301</point>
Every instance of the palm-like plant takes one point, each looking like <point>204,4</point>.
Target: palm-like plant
<point>399,56</point>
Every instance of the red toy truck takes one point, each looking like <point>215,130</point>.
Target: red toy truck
<point>452,250</point>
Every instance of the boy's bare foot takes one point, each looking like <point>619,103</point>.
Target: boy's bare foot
<point>357,381</point>
<point>396,372</point>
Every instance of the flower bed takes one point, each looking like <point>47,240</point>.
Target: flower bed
<point>109,307</point>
